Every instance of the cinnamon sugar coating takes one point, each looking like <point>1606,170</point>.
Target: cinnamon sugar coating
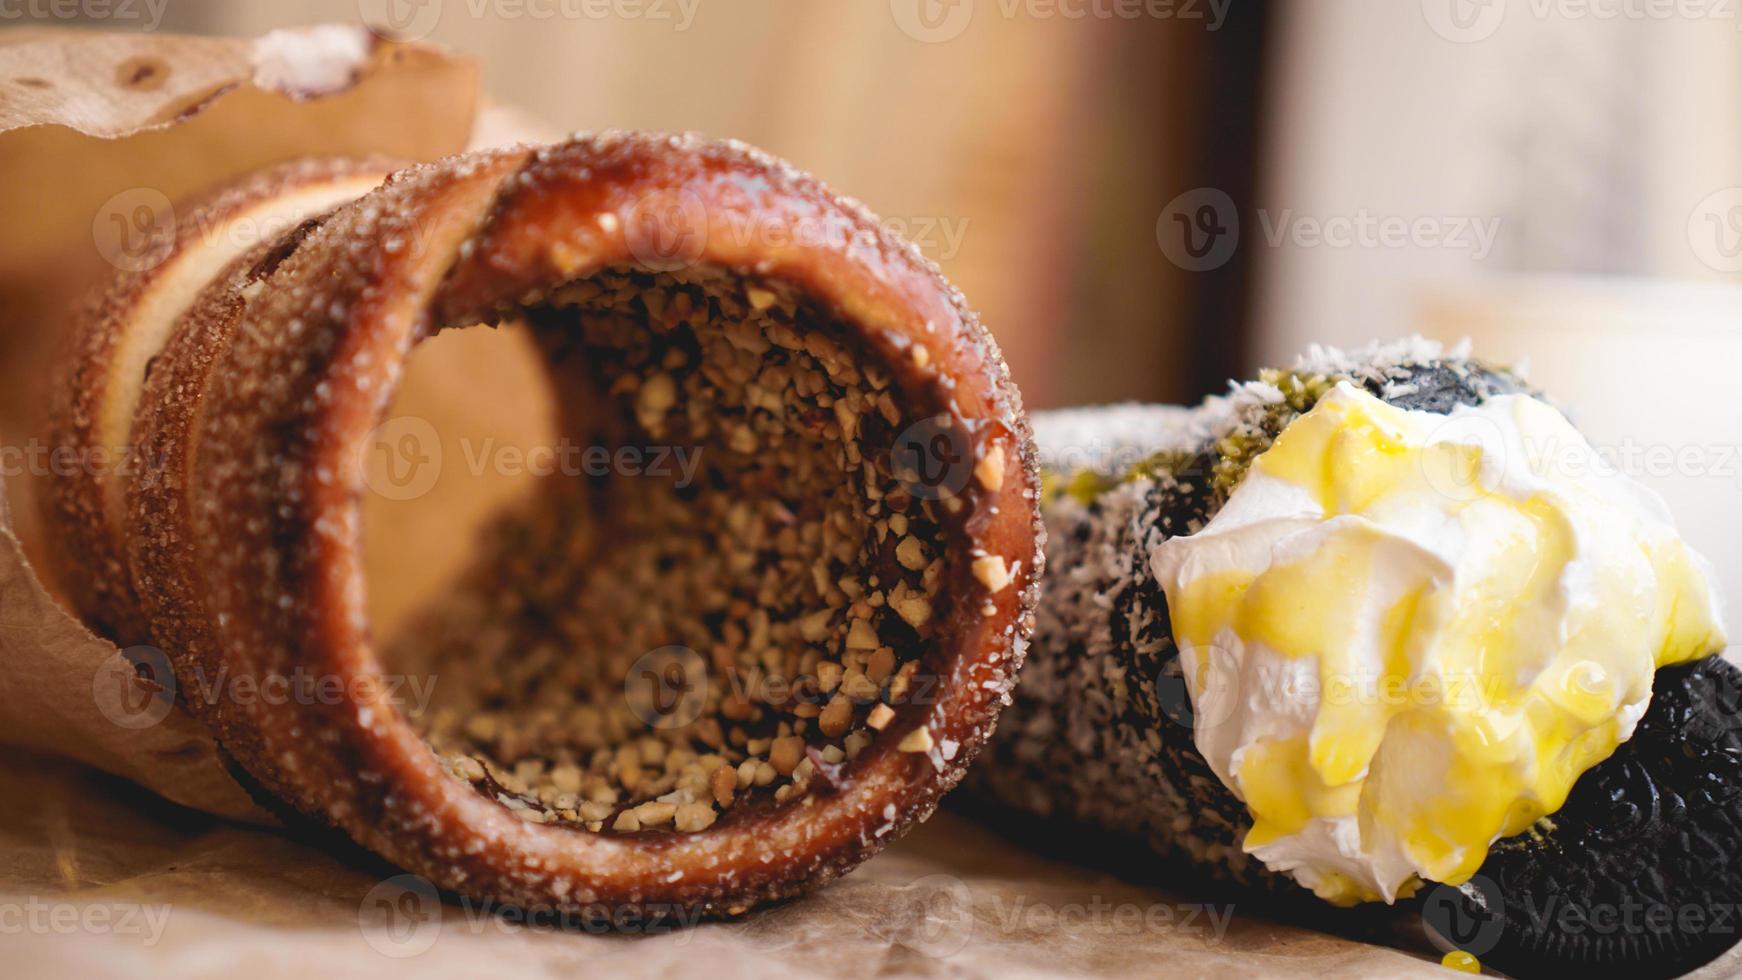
<point>209,243</point>
<point>787,339</point>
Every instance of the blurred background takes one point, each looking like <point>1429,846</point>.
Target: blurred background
<point>1147,197</point>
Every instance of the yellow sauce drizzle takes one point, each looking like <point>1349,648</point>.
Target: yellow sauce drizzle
<point>1474,724</point>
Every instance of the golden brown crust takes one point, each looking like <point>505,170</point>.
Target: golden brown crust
<point>160,551</point>
<point>272,525</point>
<point>101,376</point>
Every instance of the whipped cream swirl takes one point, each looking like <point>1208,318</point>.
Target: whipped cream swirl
<point>1406,635</point>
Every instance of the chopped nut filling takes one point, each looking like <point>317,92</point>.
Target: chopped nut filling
<point>638,653</point>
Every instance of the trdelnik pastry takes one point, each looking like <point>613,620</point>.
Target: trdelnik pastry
<point>847,631</point>
<point>1381,620</point>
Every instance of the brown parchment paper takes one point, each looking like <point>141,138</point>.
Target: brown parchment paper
<point>149,890</point>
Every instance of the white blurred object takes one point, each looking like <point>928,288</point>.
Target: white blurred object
<point>1650,371</point>
<point>1594,139</point>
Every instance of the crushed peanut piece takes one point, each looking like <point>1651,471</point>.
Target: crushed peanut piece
<point>991,572</point>
<point>861,636</point>
<point>990,469</point>
<point>837,717</point>
<point>785,754</point>
<point>695,816</point>
<point>654,814</point>
<point>724,783</point>
<point>911,554</point>
<point>918,740</point>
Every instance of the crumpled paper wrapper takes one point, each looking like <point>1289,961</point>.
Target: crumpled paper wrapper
<point>147,889</point>
<point>101,877</point>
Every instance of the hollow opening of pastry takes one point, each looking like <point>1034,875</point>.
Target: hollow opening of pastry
<point>724,583</point>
